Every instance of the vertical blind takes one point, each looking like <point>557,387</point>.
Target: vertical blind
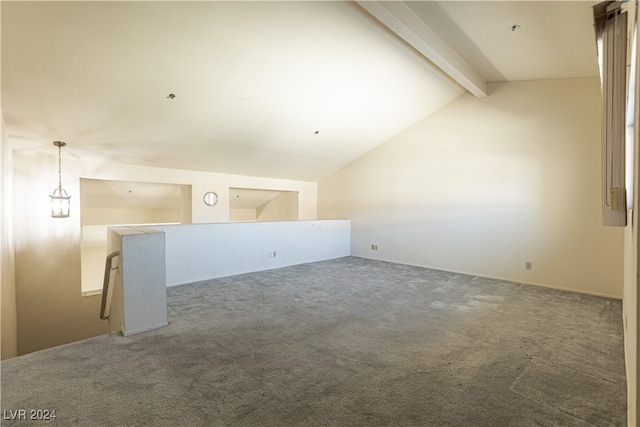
<point>611,34</point>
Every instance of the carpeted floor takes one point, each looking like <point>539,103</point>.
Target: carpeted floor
<point>347,342</point>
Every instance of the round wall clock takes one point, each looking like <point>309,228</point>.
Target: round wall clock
<point>210,198</point>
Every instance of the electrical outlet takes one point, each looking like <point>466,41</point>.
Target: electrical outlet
<point>374,247</point>
<point>273,254</point>
<point>528,265</point>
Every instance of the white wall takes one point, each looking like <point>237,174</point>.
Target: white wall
<point>50,308</point>
<point>9,342</point>
<point>130,216</point>
<point>630,300</point>
<point>200,183</point>
<point>631,253</point>
<point>242,215</point>
<point>283,207</point>
<point>204,251</point>
<point>138,286</point>
<point>484,185</point>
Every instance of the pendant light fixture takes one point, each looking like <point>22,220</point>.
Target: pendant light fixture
<point>60,200</point>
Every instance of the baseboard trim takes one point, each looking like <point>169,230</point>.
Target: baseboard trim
<point>504,279</point>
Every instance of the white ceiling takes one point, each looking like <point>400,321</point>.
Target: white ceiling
<point>552,39</point>
<point>105,194</point>
<point>255,81</point>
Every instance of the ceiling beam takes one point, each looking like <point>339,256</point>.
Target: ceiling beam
<point>400,19</point>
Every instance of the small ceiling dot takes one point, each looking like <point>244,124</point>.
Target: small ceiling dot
<point>514,27</point>
<point>317,132</point>
<point>171,96</point>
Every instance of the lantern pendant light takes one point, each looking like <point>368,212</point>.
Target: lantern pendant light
<point>60,200</point>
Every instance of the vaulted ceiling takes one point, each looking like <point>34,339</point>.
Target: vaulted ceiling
<point>288,89</point>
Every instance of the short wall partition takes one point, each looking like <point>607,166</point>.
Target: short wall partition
<point>196,252</point>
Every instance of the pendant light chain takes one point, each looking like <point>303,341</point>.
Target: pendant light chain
<point>60,166</point>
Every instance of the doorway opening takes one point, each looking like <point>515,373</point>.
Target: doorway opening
<point>105,203</point>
